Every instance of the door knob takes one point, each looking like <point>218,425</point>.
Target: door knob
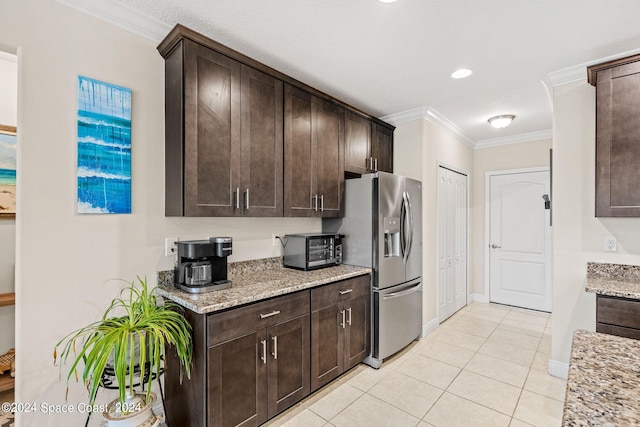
<point>494,246</point>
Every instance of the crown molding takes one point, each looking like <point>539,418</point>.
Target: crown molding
<point>578,73</point>
<point>122,16</point>
<point>434,117</point>
<point>515,139</point>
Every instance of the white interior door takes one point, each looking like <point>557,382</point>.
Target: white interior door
<point>452,242</point>
<point>519,244</point>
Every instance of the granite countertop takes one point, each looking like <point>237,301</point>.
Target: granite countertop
<point>603,388</point>
<point>616,280</point>
<point>254,281</point>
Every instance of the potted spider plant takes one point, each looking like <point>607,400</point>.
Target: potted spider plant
<point>130,336</point>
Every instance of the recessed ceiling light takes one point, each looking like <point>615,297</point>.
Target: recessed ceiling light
<point>501,121</point>
<point>387,1</point>
<point>461,73</point>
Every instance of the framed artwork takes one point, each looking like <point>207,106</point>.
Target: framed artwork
<point>104,147</point>
<point>8,147</point>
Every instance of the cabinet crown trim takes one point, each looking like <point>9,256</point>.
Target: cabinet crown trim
<point>593,70</point>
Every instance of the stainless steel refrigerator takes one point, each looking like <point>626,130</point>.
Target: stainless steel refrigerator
<point>382,229</point>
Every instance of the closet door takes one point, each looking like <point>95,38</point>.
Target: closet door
<point>452,242</point>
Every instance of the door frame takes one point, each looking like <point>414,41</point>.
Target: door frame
<point>439,165</point>
<point>487,225</point>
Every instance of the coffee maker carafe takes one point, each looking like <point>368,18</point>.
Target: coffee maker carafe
<point>201,265</point>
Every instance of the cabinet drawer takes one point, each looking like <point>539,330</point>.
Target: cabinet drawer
<point>618,330</point>
<point>235,322</point>
<point>334,293</point>
<point>618,312</point>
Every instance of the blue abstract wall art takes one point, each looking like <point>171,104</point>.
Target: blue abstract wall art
<point>104,147</point>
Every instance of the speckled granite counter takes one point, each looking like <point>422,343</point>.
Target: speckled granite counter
<point>255,281</point>
<point>603,388</point>
<point>616,280</point>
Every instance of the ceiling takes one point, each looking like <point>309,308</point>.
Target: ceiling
<point>389,58</point>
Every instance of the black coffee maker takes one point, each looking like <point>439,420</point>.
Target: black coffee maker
<point>202,265</point>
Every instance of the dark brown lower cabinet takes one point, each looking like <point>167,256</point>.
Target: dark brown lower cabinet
<point>618,316</point>
<point>254,377</point>
<point>339,328</point>
<point>254,361</point>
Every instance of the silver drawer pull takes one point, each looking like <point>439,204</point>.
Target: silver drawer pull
<point>273,313</point>
<point>264,351</point>
<point>349,311</point>
<point>343,323</point>
<point>346,291</point>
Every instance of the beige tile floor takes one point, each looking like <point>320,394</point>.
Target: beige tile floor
<point>484,366</point>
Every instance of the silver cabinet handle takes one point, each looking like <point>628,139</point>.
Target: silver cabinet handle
<point>494,246</point>
<point>376,164</point>
<point>237,197</point>
<point>273,313</point>
<point>322,202</point>
<point>349,311</point>
<point>314,202</point>
<point>344,320</point>
<point>246,199</point>
<point>346,291</point>
<point>275,347</point>
<point>264,351</point>
<point>366,164</point>
<point>371,163</point>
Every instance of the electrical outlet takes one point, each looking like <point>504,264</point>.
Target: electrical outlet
<point>170,246</point>
<point>274,239</point>
<point>610,244</point>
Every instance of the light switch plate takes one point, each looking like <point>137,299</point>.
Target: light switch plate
<point>610,244</point>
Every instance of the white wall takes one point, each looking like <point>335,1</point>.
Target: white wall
<point>504,157</point>
<point>63,259</point>
<point>577,234</point>
<point>422,139</point>
<point>8,116</point>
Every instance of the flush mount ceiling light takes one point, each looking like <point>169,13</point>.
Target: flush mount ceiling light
<point>461,73</point>
<point>501,121</point>
<point>387,1</point>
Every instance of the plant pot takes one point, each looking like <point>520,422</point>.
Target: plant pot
<point>133,413</point>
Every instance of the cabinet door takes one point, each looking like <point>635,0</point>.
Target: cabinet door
<point>357,336</point>
<point>300,185</point>
<point>261,134</point>
<point>618,141</point>
<point>288,363</point>
<point>357,143</point>
<point>382,148</point>
<point>237,385</point>
<point>330,155</point>
<point>327,345</point>
<point>211,132</point>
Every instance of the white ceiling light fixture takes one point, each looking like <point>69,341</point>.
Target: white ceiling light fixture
<point>501,121</point>
<point>461,73</point>
<point>387,1</point>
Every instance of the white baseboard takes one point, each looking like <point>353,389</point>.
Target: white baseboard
<point>429,327</point>
<point>558,369</point>
<point>479,298</point>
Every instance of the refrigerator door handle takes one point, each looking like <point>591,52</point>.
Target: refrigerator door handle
<point>403,215</point>
<point>410,214</point>
<point>402,293</point>
<point>406,225</point>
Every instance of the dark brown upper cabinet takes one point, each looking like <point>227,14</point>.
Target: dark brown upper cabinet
<point>314,155</point>
<point>368,145</point>
<point>226,122</point>
<point>617,136</point>
<point>223,136</point>
<point>382,147</point>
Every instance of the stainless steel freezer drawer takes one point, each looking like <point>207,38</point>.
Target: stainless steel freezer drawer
<point>397,317</point>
